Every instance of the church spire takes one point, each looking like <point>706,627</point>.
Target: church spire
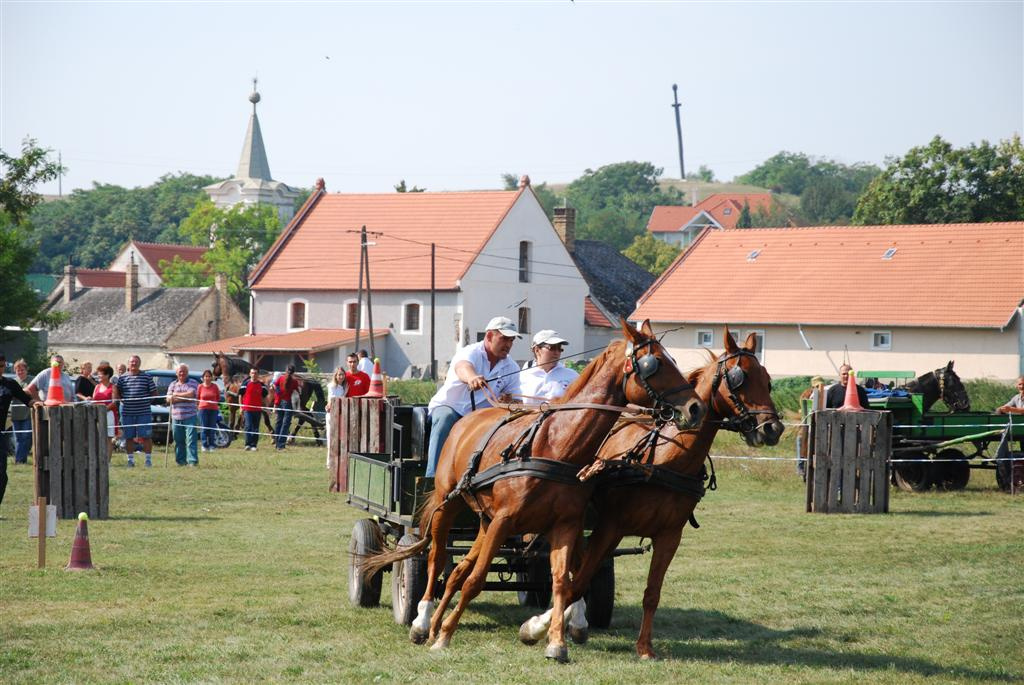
<point>253,163</point>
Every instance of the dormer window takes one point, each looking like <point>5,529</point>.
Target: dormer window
<point>727,211</point>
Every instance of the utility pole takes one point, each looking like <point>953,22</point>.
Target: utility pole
<point>369,298</point>
<point>433,292</point>
<point>359,291</point>
<point>679,131</point>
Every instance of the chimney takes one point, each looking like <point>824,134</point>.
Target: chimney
<point>69,283</point>
<point>565,226</point>
<point>131,286</point>
<point>524,181</point>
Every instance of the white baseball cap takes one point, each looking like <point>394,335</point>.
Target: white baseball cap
<point>549,337</point>
<point>503,325</point>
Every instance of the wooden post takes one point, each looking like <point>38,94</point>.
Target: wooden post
<point>41,530</point>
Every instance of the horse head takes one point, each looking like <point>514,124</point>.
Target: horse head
<point>650,378</point>
<point>952,389</point>
<point>741,392</point>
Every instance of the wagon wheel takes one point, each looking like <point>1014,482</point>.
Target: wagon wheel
<point>408,582</point>
<point>915,476</point>
<point>952,475</point>
<point>538,570</point>
<point>366,540</point>
<point>1005,470</point>
<point>601,595</point>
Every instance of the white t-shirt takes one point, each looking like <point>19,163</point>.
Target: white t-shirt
<point>503,378</point>
<point>549,385</point>
<point>365,365</point>
<point>42,383</point>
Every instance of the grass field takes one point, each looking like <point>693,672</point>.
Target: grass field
<point>234,572</point>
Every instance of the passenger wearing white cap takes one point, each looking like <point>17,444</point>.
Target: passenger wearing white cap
<point>474,367</point>
<point>546,378</point>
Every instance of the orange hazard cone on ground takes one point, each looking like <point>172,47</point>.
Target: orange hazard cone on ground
<point>852,401</point>
<point>376,381</point>
<point>55,393</point>
<point>81,559</point>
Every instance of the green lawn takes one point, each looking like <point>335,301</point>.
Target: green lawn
<point>234,572</point>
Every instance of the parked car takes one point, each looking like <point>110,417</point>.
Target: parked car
<point>161,412</point>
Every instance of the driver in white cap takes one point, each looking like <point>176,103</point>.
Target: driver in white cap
<point>546,378</point>
<point>474,367</point>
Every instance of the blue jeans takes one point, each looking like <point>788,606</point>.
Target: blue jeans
<point>208,420</point>
<point>252,427</point>
<point>283,423</point>
<point>442,419</point>
<point>23,440</point>
<point>185,442</point>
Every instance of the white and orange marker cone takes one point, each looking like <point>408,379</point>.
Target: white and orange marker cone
<point>55,395</point>
<point>81,558</point>
<point>376,381</point>
<point>852,401</point>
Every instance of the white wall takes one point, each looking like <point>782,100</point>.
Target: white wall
<point>148,277</point>
<point>977,353</point>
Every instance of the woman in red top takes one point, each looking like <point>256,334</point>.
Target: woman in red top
<point>208,395</point>
<point>253,392</point>
<point>103,393</point>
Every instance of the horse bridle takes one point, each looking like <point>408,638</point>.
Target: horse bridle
<point>940,376</point>
<point>743,420</point>
<point>643,367</point>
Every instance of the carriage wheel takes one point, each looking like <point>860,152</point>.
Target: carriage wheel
<point>366,539</point>
<point>915,476</point>
<point>408,582</point>
<point>1005,473</point>
<point>538,570</point>
<point>601,595</point>
<point>952,475</point>
<point>221,437</point>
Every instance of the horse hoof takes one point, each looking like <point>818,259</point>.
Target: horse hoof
<point>559,653</point>
<point>441,644</point>
<point>526,635</point>
<point>579,635</point>
<point>649,656</point>
<point>417,635</point>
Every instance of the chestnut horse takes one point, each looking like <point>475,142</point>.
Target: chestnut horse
<point>633,499</point>
<point>564,434</point>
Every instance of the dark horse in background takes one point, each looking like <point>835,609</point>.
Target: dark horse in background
<point>944,384</point>
<point>234,370</point>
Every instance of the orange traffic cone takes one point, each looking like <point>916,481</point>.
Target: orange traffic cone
<point>376,381</point>
<point>81,559</point>
<point>852,401</point>
<point>55,394</point>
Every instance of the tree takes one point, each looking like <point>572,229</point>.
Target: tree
<point>825,201</point>
<point>703,173</point>
<point>238,236</point>
<point>20,177</point>
<point>938,183</point>
<point>400,188</point>
<point>19,305</point>
<point>786,172</point>
<point>651,253</point>
<point>774,215</point>
<point>745,221</point>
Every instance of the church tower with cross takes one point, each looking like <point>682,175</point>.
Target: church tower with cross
<point>252,182</point>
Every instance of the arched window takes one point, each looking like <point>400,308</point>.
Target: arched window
<point>351,314</point>
<point>411,319</point>
<point>524,261</point>
<point>297,315</point>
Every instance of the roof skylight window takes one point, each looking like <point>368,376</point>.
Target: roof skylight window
<point>889,253</point>
<point>754,254</point>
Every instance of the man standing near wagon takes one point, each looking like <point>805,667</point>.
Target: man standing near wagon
<point>1016,403</point>
<point>135,390</point>
<point>474,367</point>
<point>836,395</point>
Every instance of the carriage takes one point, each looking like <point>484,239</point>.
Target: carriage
<point>379,456</point>
<point>940,449</point>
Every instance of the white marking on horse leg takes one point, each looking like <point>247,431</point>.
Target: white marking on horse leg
<point>577,627</point>
<point>423,611</point>
<point>535,628</point>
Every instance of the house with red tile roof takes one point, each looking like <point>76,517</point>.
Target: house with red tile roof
<point>495,254</point>
<point>681,225</point>
<point>881,297</point>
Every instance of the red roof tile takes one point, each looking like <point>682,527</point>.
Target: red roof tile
<point>668,219</point>
<point>725,208</point>
<point>592,316</point>
<point>962,275</point>
<point>100,278</point>
<point>154,252</point>
<point>320,250</point>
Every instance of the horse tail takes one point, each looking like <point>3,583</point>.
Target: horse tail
<point>370,564</point>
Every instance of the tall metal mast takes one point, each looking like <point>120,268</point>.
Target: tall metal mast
<point>679,131</point>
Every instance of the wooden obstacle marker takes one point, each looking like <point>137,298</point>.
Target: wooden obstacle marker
<point>71,465</point>
<point>848,466</point>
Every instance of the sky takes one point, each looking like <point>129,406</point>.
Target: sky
<point>450,96</point>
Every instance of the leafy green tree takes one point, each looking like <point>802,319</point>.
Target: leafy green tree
<point>826,201</point>
<point>703,174</point>
<point>786,172</point>
<point>938,183</point>
<point>651,253</point>
<point>401,188</point>
<point>19,305</point>
<point>774,215</point>
<point>745,220</point>
<point>238,236</point>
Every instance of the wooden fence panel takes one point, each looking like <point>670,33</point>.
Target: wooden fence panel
<point>849,466</point>
<point>71,458</point>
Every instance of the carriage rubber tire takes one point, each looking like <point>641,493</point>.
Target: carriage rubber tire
<point>916,476</point>
<point>537,571</point>
<point>408,582</point>
<point>601,595</point>
<point>950,476</point>
<point>366,539</point>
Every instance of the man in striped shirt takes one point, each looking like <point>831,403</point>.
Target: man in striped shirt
<point>135,390</point>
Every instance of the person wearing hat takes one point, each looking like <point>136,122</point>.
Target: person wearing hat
<point>481,365</point>
<point>545,377</point>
